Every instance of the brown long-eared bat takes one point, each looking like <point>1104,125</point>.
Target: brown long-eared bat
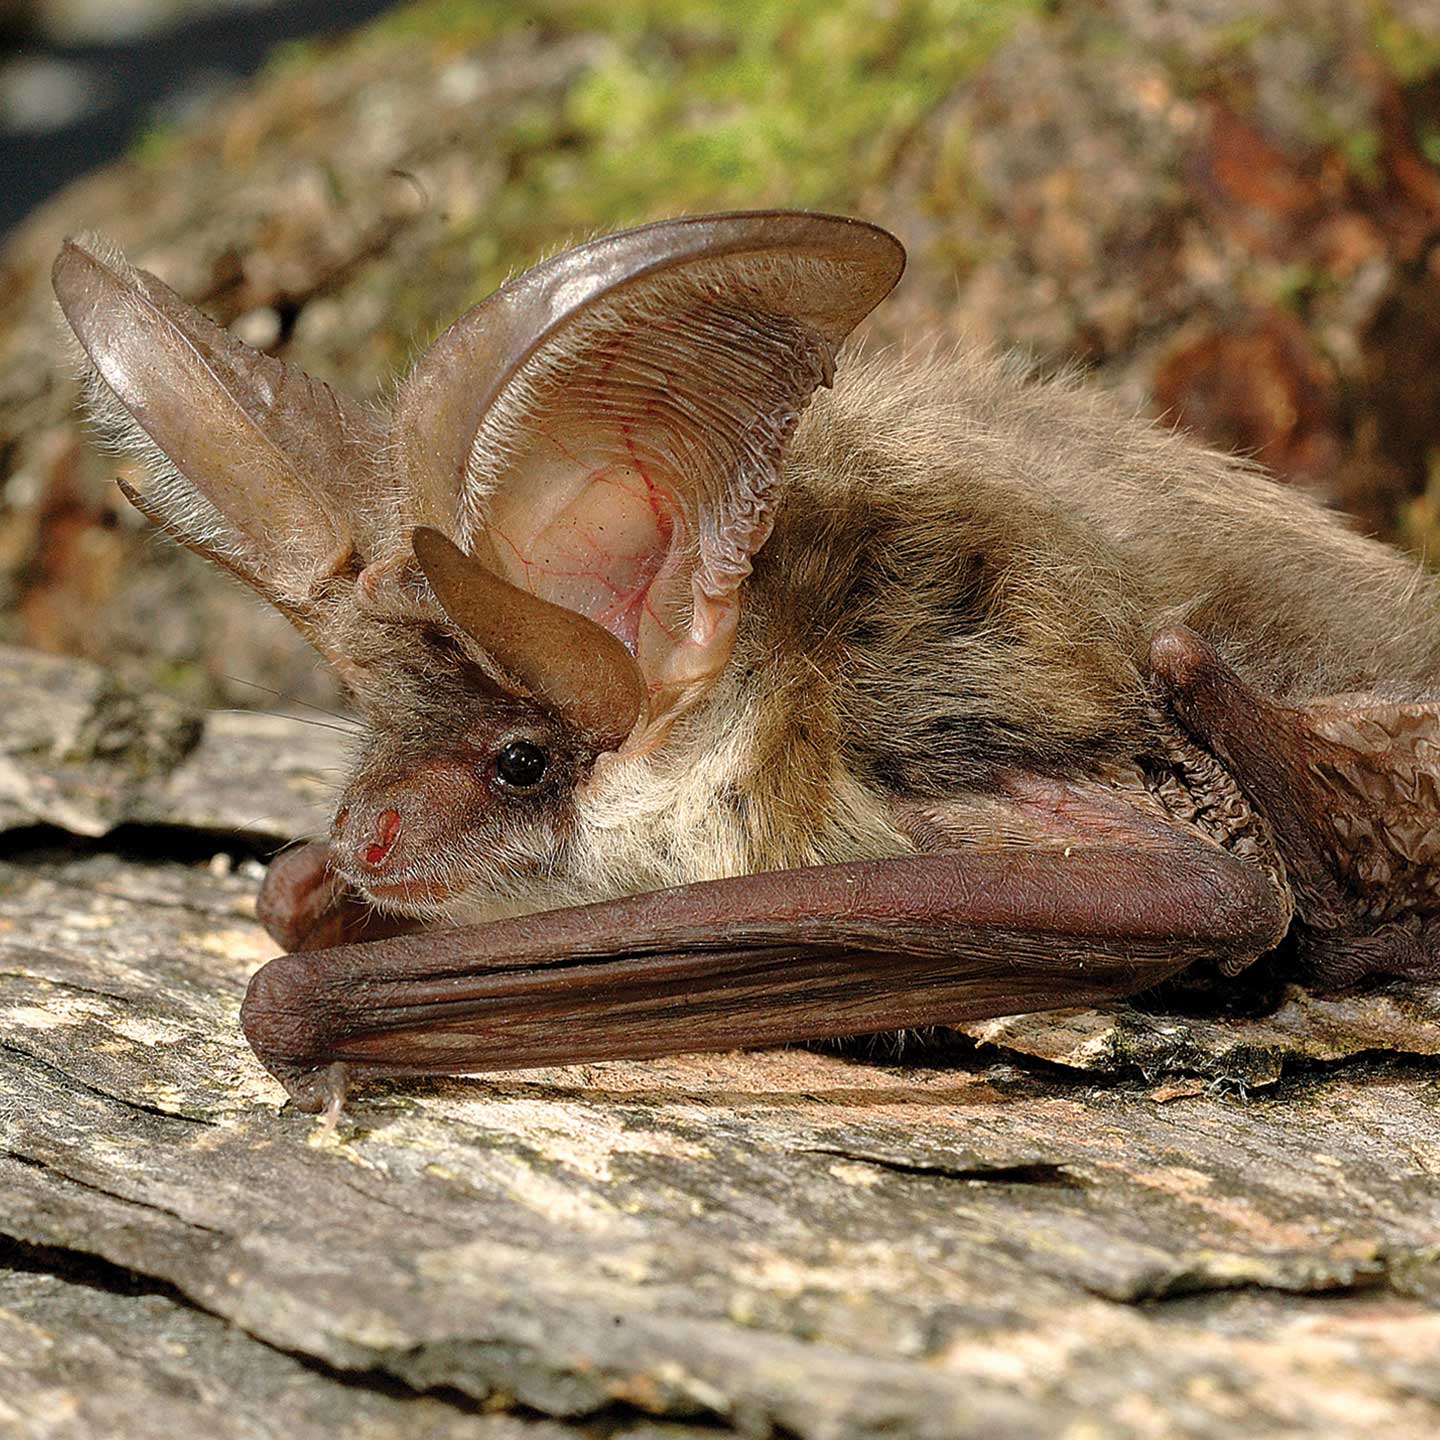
<point>708,705</point>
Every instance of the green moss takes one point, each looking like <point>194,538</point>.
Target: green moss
<point>1362,149</point>
<point>157,145</point>
<point>797,103</point>
<point>1411,52</point>
<point>690,106</point>
<point>1293,286</point>
<point>185,679</point>
<point>686,106</point>
<point>291,56</point>
<point>449,22</point>
<point>1419,520</point>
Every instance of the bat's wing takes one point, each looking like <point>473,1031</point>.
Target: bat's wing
<point>1350,786</point>
<point>306,904</point>
<point>763,959</point>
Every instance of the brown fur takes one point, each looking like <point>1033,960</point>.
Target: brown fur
<point>976,563</point>
<point>966,569</point>
<point>1059,649</point>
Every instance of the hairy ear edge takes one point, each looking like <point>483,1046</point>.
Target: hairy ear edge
<point>251,459</point>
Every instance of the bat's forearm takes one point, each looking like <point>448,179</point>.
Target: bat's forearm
<point>763,959</point>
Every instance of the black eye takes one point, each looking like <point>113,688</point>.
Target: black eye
<point>521,765</point>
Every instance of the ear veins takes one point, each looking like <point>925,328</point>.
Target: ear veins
<point>684,352</point>
<point>602,551</point>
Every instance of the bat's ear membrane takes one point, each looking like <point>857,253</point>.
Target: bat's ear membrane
<point>248,456</point>
<point>556,656</point>
<point>607,431</point>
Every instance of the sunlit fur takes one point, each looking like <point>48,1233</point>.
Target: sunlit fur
<point>964,574</point>
<point>966,569</point>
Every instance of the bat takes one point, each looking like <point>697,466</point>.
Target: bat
<point>713,697</point>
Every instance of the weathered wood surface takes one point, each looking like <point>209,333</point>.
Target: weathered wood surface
<point>97,1353</point>
<point>1166,1226</point>
<point>81,751</point>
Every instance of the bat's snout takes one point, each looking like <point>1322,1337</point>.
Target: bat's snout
<point>374,845</point>
<point>387,849</point>
<point>366,838</point>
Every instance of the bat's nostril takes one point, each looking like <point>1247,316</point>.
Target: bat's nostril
<point>387,828</point>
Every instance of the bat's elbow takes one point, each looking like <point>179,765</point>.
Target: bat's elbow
<point>1261,908</point>
<point>283,1016</point>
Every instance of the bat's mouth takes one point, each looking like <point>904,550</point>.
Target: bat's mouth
<point>409,892</point>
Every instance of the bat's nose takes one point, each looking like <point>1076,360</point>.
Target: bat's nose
<point>369,837</point>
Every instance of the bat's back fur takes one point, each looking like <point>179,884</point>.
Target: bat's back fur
<point>966,570</point>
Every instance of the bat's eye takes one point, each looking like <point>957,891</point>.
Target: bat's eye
<point>521,765</point>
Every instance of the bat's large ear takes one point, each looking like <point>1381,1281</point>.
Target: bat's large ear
<point>250,458</point>
<point>605,431</point>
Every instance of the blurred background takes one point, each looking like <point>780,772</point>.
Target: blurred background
<point>81,79</point>
<point>1229,212</point>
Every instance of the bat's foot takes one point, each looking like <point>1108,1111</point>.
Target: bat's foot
<point>1348,786</point>
<point>323,1090</point>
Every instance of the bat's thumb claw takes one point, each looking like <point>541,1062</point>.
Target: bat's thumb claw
<point>1182,659</point>
<point>283,1019</point>
<point>324,1090</point>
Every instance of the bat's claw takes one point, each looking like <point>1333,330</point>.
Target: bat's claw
<point>322,1090</point>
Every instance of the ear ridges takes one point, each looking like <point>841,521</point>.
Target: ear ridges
<point>823,273</point>
<point>606,431</point>
<point>246,450</point>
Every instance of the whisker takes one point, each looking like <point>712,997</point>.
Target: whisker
<point>315,837</point>
<point>281,715</point>
<point>347,720</point>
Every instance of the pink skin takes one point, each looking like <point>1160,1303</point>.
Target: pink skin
<point>376,851</point>
<point>387,830</point>
<point>386,835</point>
<point>570,545</point>
<point>571,548</point>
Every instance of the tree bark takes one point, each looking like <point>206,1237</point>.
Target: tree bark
<point>1118,1223</point>
<point>1142,1222</point>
